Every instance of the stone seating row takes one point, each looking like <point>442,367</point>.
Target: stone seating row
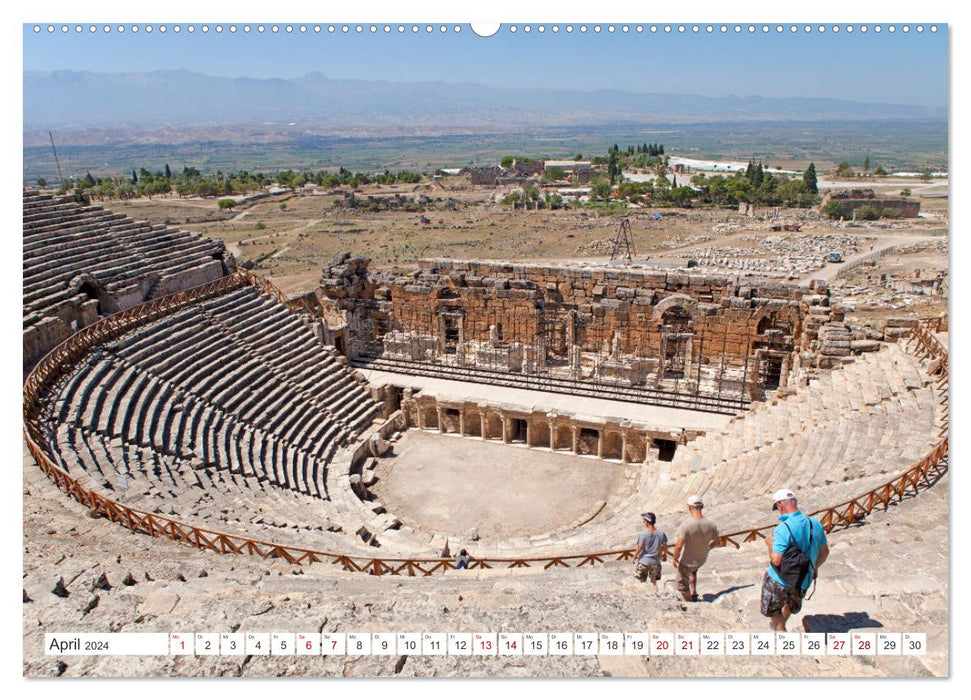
<point>190,390</point>
<point>205,496</point>
<point>64,237</point>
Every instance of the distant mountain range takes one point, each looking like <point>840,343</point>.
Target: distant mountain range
<point>78,100</point>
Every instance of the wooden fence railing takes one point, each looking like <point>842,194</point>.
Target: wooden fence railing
<point>919,476</point>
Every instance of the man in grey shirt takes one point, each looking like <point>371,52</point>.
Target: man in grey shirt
<point>647,556</point>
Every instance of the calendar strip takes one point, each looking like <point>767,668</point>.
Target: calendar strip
<point>487,644</point>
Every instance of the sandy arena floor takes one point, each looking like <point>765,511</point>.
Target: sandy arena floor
<point>449,484</point>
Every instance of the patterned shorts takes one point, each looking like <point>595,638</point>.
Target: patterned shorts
<point>645,570</point>
<point>775,596</point>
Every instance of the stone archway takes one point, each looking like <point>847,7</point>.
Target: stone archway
<point>676,316</point>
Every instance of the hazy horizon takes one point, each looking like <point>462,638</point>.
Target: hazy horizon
<point>324,74</point>
<point>877,68</point>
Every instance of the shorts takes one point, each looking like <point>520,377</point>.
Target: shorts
<point>775,596</point>
<point>645,570</point>
<point>687,574</point>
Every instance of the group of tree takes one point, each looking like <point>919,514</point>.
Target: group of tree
<point>344,178</point>
<point>651,149</point>
<point>659,192</point>
<point>191,182</point>
<point>844,169</point>
<point>531,196</point>
<point>643,157</point>
<point>759,186</point>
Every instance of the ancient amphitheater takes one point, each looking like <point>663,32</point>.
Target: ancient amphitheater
<point>203,453</point>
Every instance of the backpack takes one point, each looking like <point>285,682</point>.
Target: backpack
<point>795,563</point>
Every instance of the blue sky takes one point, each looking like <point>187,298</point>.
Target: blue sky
<point>870,67</point>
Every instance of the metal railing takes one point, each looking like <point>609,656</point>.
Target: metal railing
<point>921,475</point>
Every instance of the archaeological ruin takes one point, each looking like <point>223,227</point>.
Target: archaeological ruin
<point>376,426</point>
<point>82,261</point>
<point>708,342</point>
<point>849,200</point>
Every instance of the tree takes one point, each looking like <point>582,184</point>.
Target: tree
<point>879,171</point>
<point>168,172</point>
<point>134,177</point>
<point>891,213</point>
<point>794,193</point>
<point>227,203</point>
<point>41,182</point>
<point>554,173</point>
<point>680,196</point>
<point>832,209</point>
<point>600,189</point>
<point>809,179</point>
<point>506,162</point>
<point>866,213</point>
<point>866,164</point>
<point>660,176</point>
<point>844,169</point>
<point>905,192</point>
<point>613,167</point>
<point>750,171</point>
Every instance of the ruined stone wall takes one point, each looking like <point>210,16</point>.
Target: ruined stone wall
<point>484,176</point>
<point>852,199</point>
<point>623,312</point>
<point>529,169</point>
<point>622,440</point>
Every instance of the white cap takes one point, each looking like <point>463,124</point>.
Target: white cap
<point>782,495</point>
<point>695,501</point>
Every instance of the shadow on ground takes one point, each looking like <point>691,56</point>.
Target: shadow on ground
<point>839,623</point>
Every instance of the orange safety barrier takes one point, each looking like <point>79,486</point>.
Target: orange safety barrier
<point>923,342</point>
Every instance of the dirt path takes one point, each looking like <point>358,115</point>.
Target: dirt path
<point>830,270</point>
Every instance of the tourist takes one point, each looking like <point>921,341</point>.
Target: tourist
<point>462,560</point>
<point>797,549</point>
<point>647,556</point>
<point>696,537</point>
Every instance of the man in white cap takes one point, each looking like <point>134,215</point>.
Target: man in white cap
<point>647,556</point>
<point>696,537</point>
<point>797,549</point>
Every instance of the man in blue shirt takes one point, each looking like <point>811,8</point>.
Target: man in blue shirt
<point>781,598</point>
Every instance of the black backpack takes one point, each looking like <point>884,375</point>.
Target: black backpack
<point>795,563</point>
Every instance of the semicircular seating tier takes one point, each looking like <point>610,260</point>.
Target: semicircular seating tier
<point>228,414</point>
<point>81,260</point>
<point>849,431</point>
